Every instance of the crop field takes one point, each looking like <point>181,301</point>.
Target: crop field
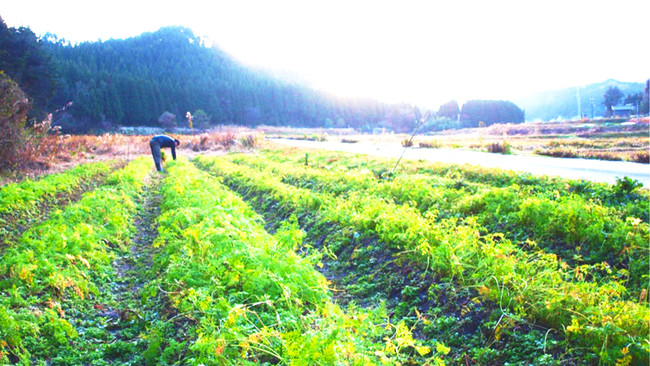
<point>279,257</point>
<point>617,140</point>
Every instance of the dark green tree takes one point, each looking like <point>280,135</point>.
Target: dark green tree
<point>24,59</point>
<point>489,112</point>
<point>449,110</point>
<point>200,119</point>
<point>133,81</point>
<point>645,102</point>
<point>167,120</point>
<point>612,97</point>
<point>634,99</point>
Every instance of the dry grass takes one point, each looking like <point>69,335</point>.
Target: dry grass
<point>49,153</point>
<point>53,153</point>
<point>607,141</point>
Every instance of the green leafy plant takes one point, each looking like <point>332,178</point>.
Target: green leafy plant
<point>251,297</point>
<point>64,261</point>
<point>530,284</point>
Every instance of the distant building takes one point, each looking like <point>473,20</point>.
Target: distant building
<point>623,110</point>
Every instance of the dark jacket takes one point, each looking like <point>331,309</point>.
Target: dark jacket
<point>165,141</point>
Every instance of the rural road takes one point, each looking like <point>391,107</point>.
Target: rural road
<point>587,169</point>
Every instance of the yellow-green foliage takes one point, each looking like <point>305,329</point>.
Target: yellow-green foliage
<point>26,194</point>
<point>64,258</point>
<point>564,224</point>
<point>532,284</point>
<point>253,299</point>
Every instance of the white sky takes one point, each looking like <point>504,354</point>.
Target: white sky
<point>420,52</point>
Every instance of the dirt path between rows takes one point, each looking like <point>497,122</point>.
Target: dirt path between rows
<point>130,267</point>
<point>129,318</point>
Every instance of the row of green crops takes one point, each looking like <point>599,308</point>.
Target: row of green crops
<point>529,284</point>
<point>624,196</point>
<point>58,268</point>
<point>366,271</point>
<point>21,204</point>
<point>27,194</point>
<point>246,295</point>
<point>577,230</point>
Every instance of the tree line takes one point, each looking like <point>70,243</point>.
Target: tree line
<point>613,96</point>
<point>97,86</point>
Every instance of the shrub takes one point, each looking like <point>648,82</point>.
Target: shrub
<point>625,188</point>
<point>640,157</point>
<point>349,141</point>
<point>498,147</point>
<point>250,141</point>
<point>19,144</point>
<point>167,120</point>
<point>13,110</point>
<point>433,144</point>
<point>319,137</point>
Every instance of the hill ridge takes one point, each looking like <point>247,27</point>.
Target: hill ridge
<point>562,103</point>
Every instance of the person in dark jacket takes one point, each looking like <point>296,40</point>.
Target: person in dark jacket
<point>162,141</point>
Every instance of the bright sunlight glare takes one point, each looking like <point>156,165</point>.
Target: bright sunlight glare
<point>419,52</point>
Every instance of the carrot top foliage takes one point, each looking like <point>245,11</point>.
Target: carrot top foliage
<point>511,252</point>
<point>28,193</point>
<point>261,259</point>
<point>249,297</point>
<point>64,261</point>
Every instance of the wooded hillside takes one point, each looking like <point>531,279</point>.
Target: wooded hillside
<point>98,86</point>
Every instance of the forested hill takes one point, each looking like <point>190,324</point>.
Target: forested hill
<point>134,81</point>
<point>97,86</point>
<point>563,104</point>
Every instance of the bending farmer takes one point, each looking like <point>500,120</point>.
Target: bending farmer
<point>162,141</point>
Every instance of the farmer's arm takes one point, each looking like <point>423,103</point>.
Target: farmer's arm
<point>174,151</point>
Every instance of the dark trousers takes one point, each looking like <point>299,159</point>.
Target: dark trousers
<point>155,151</point>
